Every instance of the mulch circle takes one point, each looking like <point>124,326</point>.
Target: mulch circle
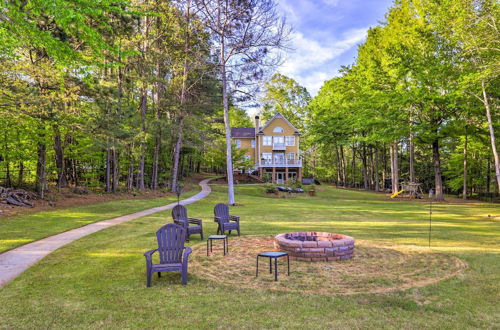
<point>375,268</point>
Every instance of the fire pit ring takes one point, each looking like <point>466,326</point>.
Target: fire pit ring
<point>315,246</point>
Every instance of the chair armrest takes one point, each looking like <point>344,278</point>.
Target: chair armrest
<point>187,252</point>
<point>234,218</point>
<point>149,254</point>
<point>217,219</point>
<point>180,222</point>
<point>195,220</point>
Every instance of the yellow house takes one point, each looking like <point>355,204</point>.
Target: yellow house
<point>274,148</point>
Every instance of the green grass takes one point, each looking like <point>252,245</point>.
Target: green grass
<point>22,229</point>
<point>98,281</point>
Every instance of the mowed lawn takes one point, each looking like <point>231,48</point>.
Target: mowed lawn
<point>99,280</point>
<point>25,228</point>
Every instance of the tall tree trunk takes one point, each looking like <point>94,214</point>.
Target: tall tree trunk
<point>412,159</point>
<point>488,176</point>
<point>115,169</point>
<point>364,167</point>
<point>183,97</point>
<point>8,180</point>
<point>353,168</point>
<point>339,166</point>
<point>20,175</point>
<point>342,162</point>
<point>225,101</point>
<point>394,167</point>
<point>142,158</point>
<point>41,171</point>
<point>177,152</point>
<point>438,179</point>
<point>464,192</point>
<point>492,134</point>
<point>377,179</point>
<point>130,174</point>
<point>156,157</point>
<point>60,162</point>
<point>384,165</point>
<point>372,170</point>
<point>107,178</point>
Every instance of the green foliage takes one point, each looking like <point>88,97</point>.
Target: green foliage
<point>267,177</point>
<point>270,188</point>
<point>411,84</point>
<point>285,95</point>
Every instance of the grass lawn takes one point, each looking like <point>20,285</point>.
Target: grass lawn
<point>25,228</point>
<point>99,280</point>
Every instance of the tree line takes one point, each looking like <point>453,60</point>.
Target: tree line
<point>126,94</point>
<point>419,104</point>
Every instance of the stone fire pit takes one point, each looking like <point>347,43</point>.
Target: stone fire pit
<point>315,246</point>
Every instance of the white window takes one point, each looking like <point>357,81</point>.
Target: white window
<point>278,129</point>
<point>267,140</point>
<point>279,140</point>
<point>253,143</point>
<point>238,143</point>
<point>267,158</point>
<point>290,156</point>
<point>290,140</point>
<point>279,158</point>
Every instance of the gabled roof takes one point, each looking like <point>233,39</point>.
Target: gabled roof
<point>278,115</point>
<point>243,132</point>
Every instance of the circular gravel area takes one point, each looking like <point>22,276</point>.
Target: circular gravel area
<point>374,268</point>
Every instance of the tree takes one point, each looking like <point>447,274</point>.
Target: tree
<point>472,26</point>
<point>285,95</point>
<point>244,34</point>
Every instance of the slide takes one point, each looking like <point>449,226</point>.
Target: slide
<point>396,194</point>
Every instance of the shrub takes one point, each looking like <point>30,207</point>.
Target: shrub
<point>294,184</point>
<point>270,188</point>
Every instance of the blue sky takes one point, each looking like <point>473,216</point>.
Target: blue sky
<point>325,36</point>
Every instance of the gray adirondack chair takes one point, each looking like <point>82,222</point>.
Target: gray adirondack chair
<point>172,252</point>
<point>192,225</point>
<point>226,221</point>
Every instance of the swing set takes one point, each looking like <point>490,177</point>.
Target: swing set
<point>409,190</point>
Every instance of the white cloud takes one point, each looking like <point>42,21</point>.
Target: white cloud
<point>311,61</point>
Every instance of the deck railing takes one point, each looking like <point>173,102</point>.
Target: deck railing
<point>279,146</point>
<point>280,162</point>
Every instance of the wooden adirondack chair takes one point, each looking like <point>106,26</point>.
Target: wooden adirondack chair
<point>173,255</point>
<point>225,221</point>
<point>192,225</point>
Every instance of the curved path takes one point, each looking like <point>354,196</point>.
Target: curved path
<point>16,261</point>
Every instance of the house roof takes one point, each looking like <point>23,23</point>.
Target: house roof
<point>278,115</point>
<point>243,132</point>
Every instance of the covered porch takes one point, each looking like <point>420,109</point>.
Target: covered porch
<point>281,175</point>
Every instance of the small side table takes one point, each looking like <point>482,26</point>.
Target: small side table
<point>273,255</point>
<point>215,237</point>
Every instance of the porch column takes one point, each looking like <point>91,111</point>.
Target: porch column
<point>300,174</point>
<point>274,174</point>
<point>261,173</point>
<point>286,174</point>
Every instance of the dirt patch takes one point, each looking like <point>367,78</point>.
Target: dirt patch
<point>65,197</point>
<point>375,268</point>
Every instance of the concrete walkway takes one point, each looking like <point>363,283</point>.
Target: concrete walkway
<point>16,261</point>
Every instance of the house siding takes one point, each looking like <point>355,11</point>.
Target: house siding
<point>256,153</point>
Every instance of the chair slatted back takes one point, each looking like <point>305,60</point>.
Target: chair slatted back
<point>179,212</point>
<point>221,210</point>
<point>171,239</point>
